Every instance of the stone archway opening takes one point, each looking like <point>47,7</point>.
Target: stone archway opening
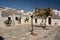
<point>49,20</point>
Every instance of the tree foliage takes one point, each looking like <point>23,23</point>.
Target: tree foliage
<point>42,12</point>
<point>48,12</point>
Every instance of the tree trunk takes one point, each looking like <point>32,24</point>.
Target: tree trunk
<point>20,20</point>
<point>42,20</point>
<point>32,25</point>
<point>45,23</point>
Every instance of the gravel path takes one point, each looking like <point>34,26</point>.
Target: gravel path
<point>57,35</point>
<point>19,32</point>
<point>22,32</point>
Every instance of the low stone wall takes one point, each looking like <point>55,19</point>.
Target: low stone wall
<point>2,21</point>
<point>53,21</point>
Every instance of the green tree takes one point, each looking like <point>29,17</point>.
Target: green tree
<point>8,22</point>
<point>39,13</point>
<point>48,13</point>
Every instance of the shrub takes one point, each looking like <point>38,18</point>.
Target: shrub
<point>8,22</point>
<point>19,20</point>
<point>27,19</point>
